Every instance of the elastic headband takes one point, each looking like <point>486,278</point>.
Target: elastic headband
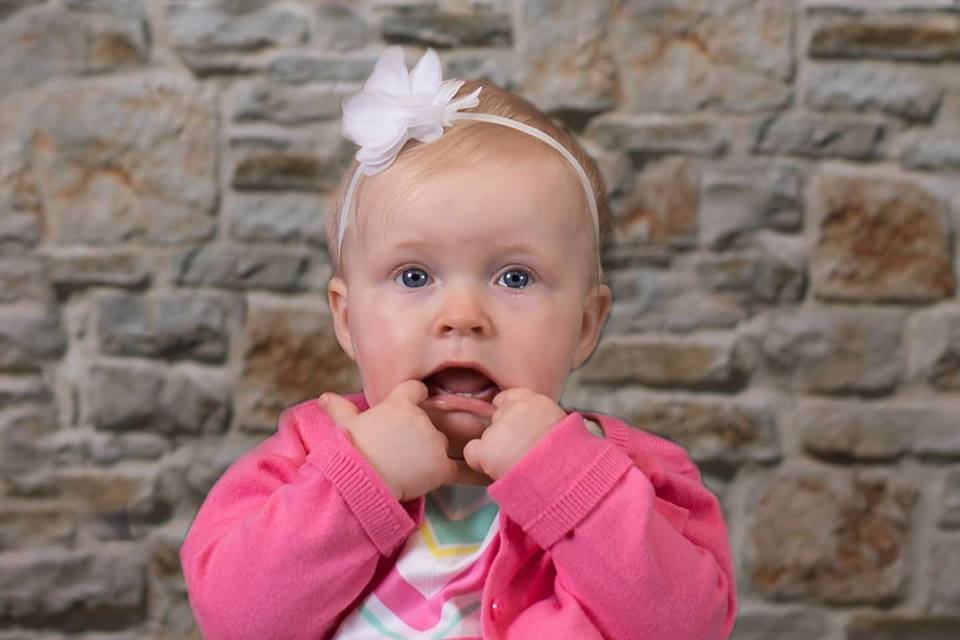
<point>396,106</point>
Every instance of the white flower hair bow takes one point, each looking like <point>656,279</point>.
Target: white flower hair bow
<point>396,106</point>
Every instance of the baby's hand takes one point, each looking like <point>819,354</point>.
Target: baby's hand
<point>522,418</point>
<point>398,439</point>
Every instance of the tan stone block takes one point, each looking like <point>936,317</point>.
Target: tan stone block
<point>834,536</point>
<point>291,355</point>
<point>880,240</point>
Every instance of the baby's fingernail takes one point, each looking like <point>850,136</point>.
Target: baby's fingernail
<point>322,399</point>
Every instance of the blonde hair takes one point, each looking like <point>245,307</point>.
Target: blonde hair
<point>469,141</point>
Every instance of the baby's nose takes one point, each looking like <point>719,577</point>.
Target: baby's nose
<point>463,312</point>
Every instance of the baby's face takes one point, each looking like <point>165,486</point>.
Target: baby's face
<point>489,264</point>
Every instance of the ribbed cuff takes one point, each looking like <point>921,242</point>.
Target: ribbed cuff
<point>384,519</point>
<point>559,481</point>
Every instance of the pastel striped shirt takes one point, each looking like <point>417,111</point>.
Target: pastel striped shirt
<point>434,590</point>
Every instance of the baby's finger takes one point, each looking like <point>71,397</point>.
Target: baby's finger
<point>509,395</point>
<point>411,390</point>
<point>337,407</point>
<point>473,455</point>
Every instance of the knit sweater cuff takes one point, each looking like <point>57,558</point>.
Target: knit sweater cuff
<point>560,480</point>
<point>386,521</point>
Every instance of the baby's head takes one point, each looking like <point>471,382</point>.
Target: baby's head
<point>479,249</point>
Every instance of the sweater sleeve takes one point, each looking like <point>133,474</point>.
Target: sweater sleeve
<point>642,547</point>
<point>289,537</point>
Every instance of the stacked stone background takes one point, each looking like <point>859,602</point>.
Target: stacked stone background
<point>785,181</point>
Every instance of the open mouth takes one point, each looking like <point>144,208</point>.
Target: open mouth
<point>462,388</point>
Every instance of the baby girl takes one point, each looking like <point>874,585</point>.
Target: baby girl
<point>453,497</point>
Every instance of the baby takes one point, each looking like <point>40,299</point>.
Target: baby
<point>454,497</point>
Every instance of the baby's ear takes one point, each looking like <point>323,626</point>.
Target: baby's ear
<point>337,300</point>
<point>596,308</point>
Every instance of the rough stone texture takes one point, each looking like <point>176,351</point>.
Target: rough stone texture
<point>570,65</point>
<point>122,398</point>
<point>77,269</point>
<point>291,355</point>
<point>27,524</point>
<point>933,344</point>
<point>201,31</point>
<point>172,326</point>
<point>826,351</point>
<point>234,267</point>
<point>838,538</point>
<point>683,55</point>
<point>938,152</point>
<point>27,414</point>
<point>950,508</point>
<point>880,240</point>
<point>894,91</point>
<point>277,217</point>
<point>285,104</point>
<point>774,272</point>
<point>648,135</point>
<point>41,43</point>
<point>945,560</point>
<point>74,590</point>
<point>20,210</point>
<point>656,300</point>
<point>340,28</point>
<point>794,624</point>
<point>107,500</point>
<point>29,335</point>
<point>921,36</point>
<point>662,207</point>
<point>19,229</point>
<point>285,163</point>
<point>820,137</point>
<point>117,161</point>
<point>22,280</point>
<point>735,202</point>
<point>662,361</point>
<point>898,627</point>
<point>302,68</point>
<point>87,446</point>
<point>427,26</point>
<point>850,431</point>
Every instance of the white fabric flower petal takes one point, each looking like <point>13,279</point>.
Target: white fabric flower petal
<point>373,161</point>
<point>369,118</point>
<point>389,73</point>
<point>427,133</point>
<point>426,74</point>
<point>396,105</point>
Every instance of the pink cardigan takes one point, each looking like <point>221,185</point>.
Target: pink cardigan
<point>611,537</point>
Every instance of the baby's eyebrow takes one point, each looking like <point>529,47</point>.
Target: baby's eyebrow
<point>408,244</point>
<point>504,247</point>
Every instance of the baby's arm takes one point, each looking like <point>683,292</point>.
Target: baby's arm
<point>291,535</point>
<point>641,548</point>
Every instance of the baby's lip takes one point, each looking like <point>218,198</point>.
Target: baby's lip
<point>443,400</point>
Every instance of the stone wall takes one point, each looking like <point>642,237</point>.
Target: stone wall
<point>785,180</point>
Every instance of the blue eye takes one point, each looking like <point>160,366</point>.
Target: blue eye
<point>518,277</point>
<point>413,277</point>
